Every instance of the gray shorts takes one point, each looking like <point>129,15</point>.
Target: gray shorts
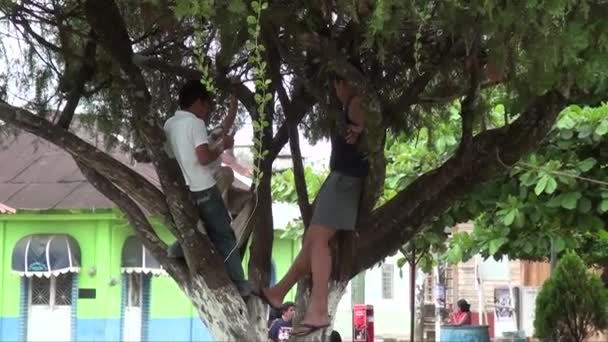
<point>337,203</point>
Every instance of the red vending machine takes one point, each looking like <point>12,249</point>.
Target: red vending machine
<point>363,323</point>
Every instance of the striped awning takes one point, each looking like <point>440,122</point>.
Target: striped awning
<point>137,259</point>
<point>46,255</point>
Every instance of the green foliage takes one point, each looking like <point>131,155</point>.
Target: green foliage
<point>558,192</point>
<point>283,190</point>
<point>572,304</point>
<point>263,96</point>
<point>283,185</point>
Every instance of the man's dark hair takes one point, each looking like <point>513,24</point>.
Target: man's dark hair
<point>335,337</point>
<point>191,91</point>
<point>285,307</point>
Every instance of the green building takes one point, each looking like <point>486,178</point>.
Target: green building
<point>72,269</point>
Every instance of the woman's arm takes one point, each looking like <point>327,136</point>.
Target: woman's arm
<point>357,116</point>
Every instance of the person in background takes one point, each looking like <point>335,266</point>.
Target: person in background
<point>224,176</point>
<point>463,315</point>
<point>280,328</point>
<point>335,337</point>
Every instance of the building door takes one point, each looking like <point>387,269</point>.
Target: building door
<point>133,307</point>
<point>50,308</point>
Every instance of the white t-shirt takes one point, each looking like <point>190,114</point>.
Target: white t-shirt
<point>185,132</point>
<point>215,144</point>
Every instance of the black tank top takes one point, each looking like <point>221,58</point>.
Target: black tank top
<point>345,158</point>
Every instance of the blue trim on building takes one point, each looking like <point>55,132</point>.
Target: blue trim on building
<point>73,313</point>
<point>98,329</point>
<point>189,329</point>
<point>145,306</point>
<point>123,304</point>
<point>10,329</point>
<point>23,308</point>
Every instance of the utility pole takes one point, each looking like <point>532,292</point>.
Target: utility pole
<point>412,293</point>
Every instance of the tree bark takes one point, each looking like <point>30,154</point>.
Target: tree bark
<point>393,224</point>
<point>336,291</point>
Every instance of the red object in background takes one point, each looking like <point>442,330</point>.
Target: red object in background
<point>363,323</point>
<point>489,321</point>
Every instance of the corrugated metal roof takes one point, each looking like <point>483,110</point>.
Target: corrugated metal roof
<point>35,174</point>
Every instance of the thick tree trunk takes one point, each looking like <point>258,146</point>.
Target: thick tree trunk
<point>224,313</point>
<point>336,291</point>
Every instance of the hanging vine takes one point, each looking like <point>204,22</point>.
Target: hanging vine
<point>262,84</point>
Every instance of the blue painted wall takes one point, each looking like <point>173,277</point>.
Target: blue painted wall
<point>9,329</point>
<point>98,329</point>
<point>178,330</point>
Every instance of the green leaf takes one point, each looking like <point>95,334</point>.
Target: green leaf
<point>602,128</point>
<point>566,134</point>
<point>587,164</point>
<point>495,245</point>
<point>551,185</point>
<point>251,20</point>
<point>570,200</point>
<point>455,254</point>
<point>528,247</point>
<point>565,123</point>
<point>603,207</point>
<point>584,205</point>
<point>559,244</point>
<point>509,218</point>
<point>540,186</point>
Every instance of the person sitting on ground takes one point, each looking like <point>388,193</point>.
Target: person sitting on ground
<point>463,315</point>
<point>280,328</point>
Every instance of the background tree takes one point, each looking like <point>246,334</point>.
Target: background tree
<point>559,193</point>
<point>123,61</point>
<point>571,305</point>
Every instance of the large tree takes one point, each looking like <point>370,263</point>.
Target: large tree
<point>558,193</point>
<point>122,62</point>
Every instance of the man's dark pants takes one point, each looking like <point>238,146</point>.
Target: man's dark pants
<point>215,217</point>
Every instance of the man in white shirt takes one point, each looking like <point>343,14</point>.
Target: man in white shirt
<point>189,144</point>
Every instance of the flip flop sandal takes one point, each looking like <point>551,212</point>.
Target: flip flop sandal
<point>308,329</point>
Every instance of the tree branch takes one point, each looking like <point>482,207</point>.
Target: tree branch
<point>127,179</point>
<point>469,103</point>
<point>83,75</point>
<point>396,222</point>
<point>292,131</point>
<point>138,221</point>
<point>107,22</point>
<point>302,101</point>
